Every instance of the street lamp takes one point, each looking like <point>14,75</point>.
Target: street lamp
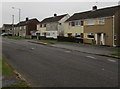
<point>19,11</point>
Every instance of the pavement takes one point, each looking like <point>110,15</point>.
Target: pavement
<point>91,49</point>
<point>46,66</point>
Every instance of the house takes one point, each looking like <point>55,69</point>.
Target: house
<point>6,28</point>
<point>24,28</point>
<point>52,27</point>
<point>97,26</point>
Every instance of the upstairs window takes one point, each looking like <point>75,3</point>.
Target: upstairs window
<point>79,23</point>
<point>40,25</point>
<point>72,23</point>
<point>101,21</point>
<point>82,23</point>
<point>24,27</point>
<point>90,22</point>
<point>44,25</point>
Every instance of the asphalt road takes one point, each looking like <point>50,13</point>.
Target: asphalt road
<point>44,66</point>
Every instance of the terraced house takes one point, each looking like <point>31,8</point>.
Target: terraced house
<point>97,26</point>
<point>24,28</point>
<point>52,27</point>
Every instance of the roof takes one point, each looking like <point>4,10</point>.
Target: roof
<point>104,12</point>
<point>53,19</point>
<point>22,23</point>
<point>7,25</point>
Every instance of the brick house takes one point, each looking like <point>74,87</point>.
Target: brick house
<point>24,28</point>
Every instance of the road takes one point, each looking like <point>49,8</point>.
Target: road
<point>44,66</point>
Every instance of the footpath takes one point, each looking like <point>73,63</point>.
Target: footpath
<point>85,48</point>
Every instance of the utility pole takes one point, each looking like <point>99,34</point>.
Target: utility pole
<point>12,22</point>
<point>19,12</point>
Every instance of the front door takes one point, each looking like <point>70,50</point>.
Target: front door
<point>100,39</point>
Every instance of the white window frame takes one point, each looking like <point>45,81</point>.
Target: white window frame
<point>20,27</point>
<point>24,27</point>
<point>90,22</point>
<point>101,21</point>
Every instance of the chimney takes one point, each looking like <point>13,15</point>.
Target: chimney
<point>26,18</point>
<point>55,15</point>
<point>94,8</point>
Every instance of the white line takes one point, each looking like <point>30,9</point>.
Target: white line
<point>111,60</point>
<point>91,57</point>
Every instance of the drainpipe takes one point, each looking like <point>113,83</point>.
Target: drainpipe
<point>113,30</point>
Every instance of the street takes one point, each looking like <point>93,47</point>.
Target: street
<point>44,66</point>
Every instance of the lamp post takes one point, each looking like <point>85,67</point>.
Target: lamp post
<point>19,12</point>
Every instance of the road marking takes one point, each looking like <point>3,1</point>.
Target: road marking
<point>32,48</point>
<point>111,60</point>
<point>103,69</point>
<point>53,45</point>
<point>91,57</point>
<point>67,51</point>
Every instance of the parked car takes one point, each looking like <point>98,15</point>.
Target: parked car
<point>6,34</point>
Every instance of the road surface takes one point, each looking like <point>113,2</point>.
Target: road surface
<point>44,66</point>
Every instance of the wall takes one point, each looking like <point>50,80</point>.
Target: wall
<point>41,30</point>
<point>53,26</point>
<point>61,25</point>
<point>107,28</point>
<point>72,29</point>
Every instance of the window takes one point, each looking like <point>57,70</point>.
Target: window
<point>24,27</point>
<point>101,21</point>
<point>82,23</point>
<point>47,33</point>
<point>77,23</point>
<point>40,25</point>
<point>90,22</point>
<point>44,25</point>
<point>90,35</point>
<point>115,37</point>
<point>72,23</point>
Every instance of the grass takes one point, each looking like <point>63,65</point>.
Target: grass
<point>6,71</point>
<point>16,37</point>
<point>21,84</point>
<point>116,54</point>
<point>56,41</point>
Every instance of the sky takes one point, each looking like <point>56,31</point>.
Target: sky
<point>41,10</point>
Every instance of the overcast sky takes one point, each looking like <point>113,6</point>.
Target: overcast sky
<point>41,10</point>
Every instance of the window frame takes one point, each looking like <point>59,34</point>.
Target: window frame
<point>90,22</point>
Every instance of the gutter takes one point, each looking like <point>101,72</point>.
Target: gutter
<point>113,30</point>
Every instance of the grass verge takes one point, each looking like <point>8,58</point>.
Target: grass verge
<point>16,37</point>
<point>7,71</point>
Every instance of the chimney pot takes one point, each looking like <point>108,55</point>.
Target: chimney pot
<point>94,8</point>
<point>26,18</point>
<point>55,15</point>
